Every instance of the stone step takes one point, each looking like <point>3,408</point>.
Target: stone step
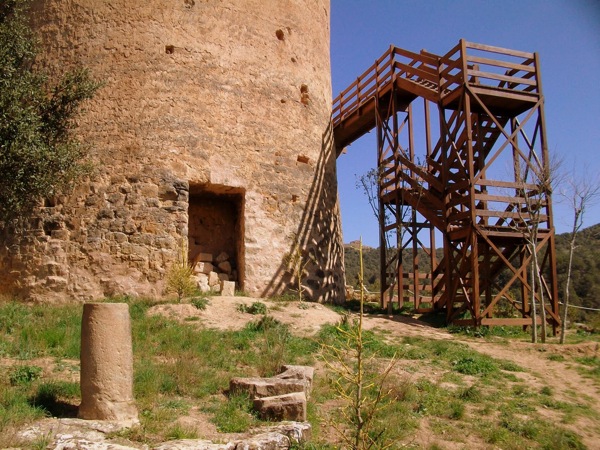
<point>282,407</point>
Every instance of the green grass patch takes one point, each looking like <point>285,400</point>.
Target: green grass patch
<point>591,366</point>
<point>233,415</point>
<point>200,303</point>
<point>24,374</point>
<point>31,331</point>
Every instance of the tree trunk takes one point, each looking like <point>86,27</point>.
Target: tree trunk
<point>563,326</point>
<point>533,307</point>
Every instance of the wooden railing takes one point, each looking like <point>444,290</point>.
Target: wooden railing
<point>421,68</point>
<point>468,62</point>
<point>473,64</point>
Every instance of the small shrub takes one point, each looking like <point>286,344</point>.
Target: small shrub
<point>179,276</point>
<point>24,374</point>
<point>255,308</point>
<point>200,303</point>
<point>457,410</point>
<point>546,390</point>
<point>471,394</point>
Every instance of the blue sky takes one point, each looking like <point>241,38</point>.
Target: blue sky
<point>565,33</point>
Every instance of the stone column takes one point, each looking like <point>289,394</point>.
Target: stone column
<point>106,363</point>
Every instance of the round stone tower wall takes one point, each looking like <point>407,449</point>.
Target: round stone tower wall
<point>212,128</point>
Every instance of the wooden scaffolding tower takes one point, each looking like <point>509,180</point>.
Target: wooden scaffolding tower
<point>476,176</point>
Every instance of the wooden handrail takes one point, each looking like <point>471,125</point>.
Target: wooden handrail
<point>389,66</point>
<point>500,50</point>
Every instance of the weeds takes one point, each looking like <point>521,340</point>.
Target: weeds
<point>24,374</point>
<point>200,303</point>
<point>179,431</point>
<point>256,308</point>
<point>234,415</point>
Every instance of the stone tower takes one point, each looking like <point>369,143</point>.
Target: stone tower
<point>212,127</point>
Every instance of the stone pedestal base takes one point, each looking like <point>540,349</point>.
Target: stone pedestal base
<point>106,363</point>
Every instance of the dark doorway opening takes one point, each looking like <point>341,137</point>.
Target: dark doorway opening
<point>216,227</point>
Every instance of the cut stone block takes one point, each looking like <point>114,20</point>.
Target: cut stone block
<point>301,373</point>
<point>222,257</point>
<point>223,277</point>
<point>204,257</point>
<point>282,407</point>
<point>224,267</point>
<point>228,288</point>
<point>265,387</point>
<point>203,267</point>
<point>201,278</point>
<point>213,279</point>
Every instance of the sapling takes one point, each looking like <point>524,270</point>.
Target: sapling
<point>361,390</point>
<point>581,193</point>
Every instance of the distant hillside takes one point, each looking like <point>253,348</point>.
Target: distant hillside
<point>585,273</point>
<point>585,276</point>
<point>370,265</point>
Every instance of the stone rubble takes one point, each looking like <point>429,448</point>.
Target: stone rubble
<point>212,274</point>
<point>282,397</point>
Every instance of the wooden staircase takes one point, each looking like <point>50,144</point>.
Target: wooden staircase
<point>487,99</point>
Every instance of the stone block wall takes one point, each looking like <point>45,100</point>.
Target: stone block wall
<point>199,97</point>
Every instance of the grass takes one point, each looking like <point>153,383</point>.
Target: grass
<point>589,367</point>
<point>180,367</point>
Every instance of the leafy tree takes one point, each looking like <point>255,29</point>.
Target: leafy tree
<point>39,156</point>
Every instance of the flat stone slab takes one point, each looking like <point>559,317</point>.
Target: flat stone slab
<point>265,387</point>
<point>279,437</point>
<point>69,434</point>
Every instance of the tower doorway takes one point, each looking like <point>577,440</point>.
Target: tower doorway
<point>216,230</point>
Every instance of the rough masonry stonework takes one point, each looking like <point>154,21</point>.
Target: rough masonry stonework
<point>212,130</point>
